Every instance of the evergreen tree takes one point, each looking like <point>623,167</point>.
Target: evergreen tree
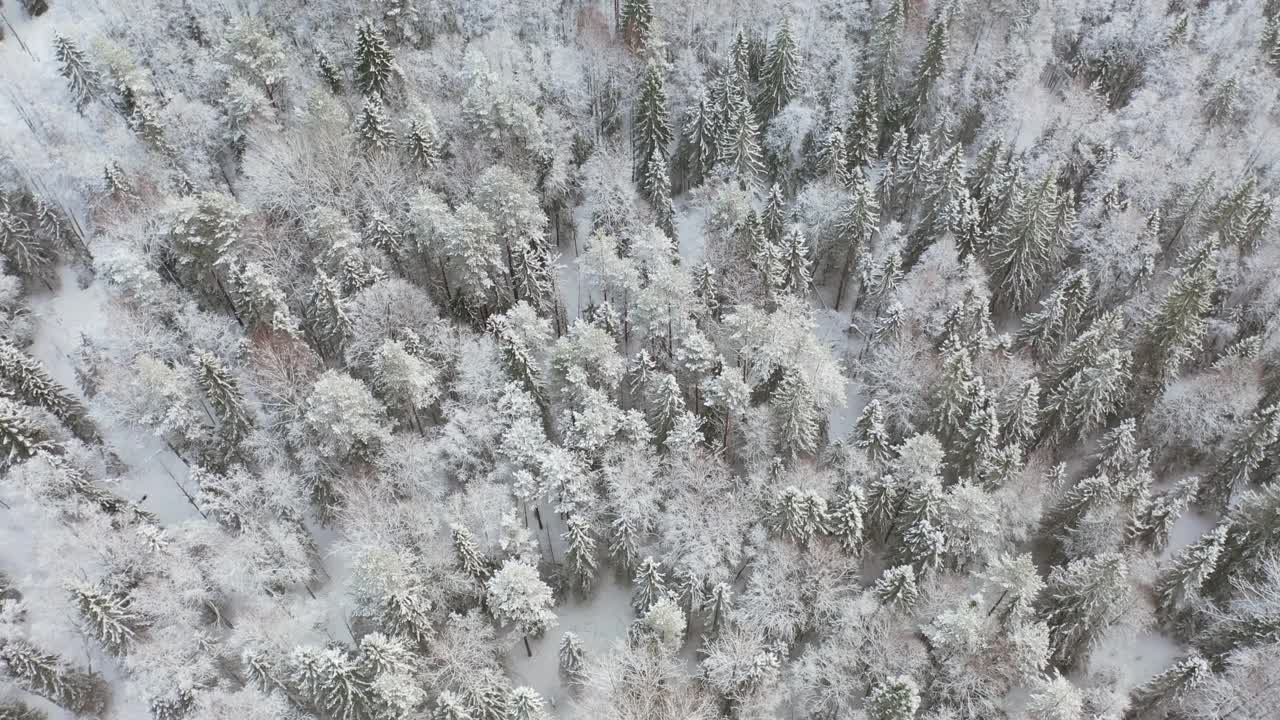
<point>223,394</point>
<point>49,676</point>
<point>472,561</point>
<point>329,72</point>
<point>844,521</point>
<point>20,435</point>
<point>1021,413</point>
<point>1181,581</point>
<point>27,380</point>
<point>862,137</point>
<point>327,321</point>
<point>833,159</point>
<point>1150,699</point>
<point>14,709</point>
<point>517,595</point>
<point>796,276</point>
<point>739,135</point>
<point>1060,315</point>
<point>896,698</point>
<point>717,606</point>
<point>375,65</point>
<point>262,301</point>
<point>775,213</point>
<point>896,588</point>
<point>650,124</point>
<point>859,221</point>
<point>450,706</point>
<point>527,704</point>
<point>932,63</point>
<point>1154,520</point>
<point>872,437</point>
<point>1172,334</point>
<point>800,515</point>
<point>581,553</point>
<point>82,81</point>
<point>657,190</point>
<point>700,146</point>
<point>1248,452</point>
<point>572,656</point>
<point>1084,401</point>
<point>373,128</point>
<point>1019,583</point>
<point>422,141</point>
<point>781,72</point>
<point>107,617</point>
<point>20,246</point>
<point>1026,245</point>
<point>635,23</point>
<point>1079,603</point>
<point>795,415</point>
<point>649,585</point>
<point>884,49</point>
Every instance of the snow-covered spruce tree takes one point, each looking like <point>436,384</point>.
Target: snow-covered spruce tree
<point>781,74</point>
<point>1179,584</point>
<point>1256,440</point>
<point>1163,692</point>
<point>649,585</point>
<point>932,63</point>
<point>1079,602</point>
<point>657,190</point>
<point>897,587</point>
<point>49,676</point>
<point>329,72</point>
<point>796,421</point>
<point>799,515</point>
<point>572,657</point>
<point>739,149</point>
<point>23,249</point>
<point>373,128</point>
<point>796,276</point>
<point>858,224</point>
<point>326,321</point>
<point>1019,584</point>
<point>27,381</point>
<point>1173,332</point>
<point>895,698</point>
<point>82,80</point>
<point>470,558</point>
<point>635,23</point>
<point>1027,245</point>
<point>580,555</point>
<point>870,434</point>
<point>107,617</point>
<point>1060,316</point>
<point>1151,524</point>
<point>207,235</point>
<point>517,595</point>
<point>421,140</point>
<point>844,521</point>
<point>21,436</point>
<point>699,145</point>
<point>862,135</point>
<point>650,124</point>
<point>375,65</point>
<point>222,392</point>
<point>1054,697</point>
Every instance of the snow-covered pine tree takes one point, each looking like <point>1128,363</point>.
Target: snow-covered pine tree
<point>1060,316</point>
<point>1153,698</point>
<point>1026,245</point>
<point>1080,602</point>
<point>422,140</point>
<point>1250,448</point>
<point>106,616</point>
<point>897,587</point>
<point>650,124</point>
<point>884,48</point>
<point>517,595</point>
<point>635,23</point>
<point>20,246</point>
<point>700,146</point>
<point>871,436</point>
<point>329,72</point>
<point>1151,524</point>
<point>49,676</point>
<point>375,65</point>
<point>796,276</point>
<point>931,65</point>
<point>73,65</point>
<point>862,136</point>
<point>1180,582</point>
<point>222,392</point>
<point>372,126</point>
<point>20,435</point>
<point>858,223</point>
<point>739,135</point>
<point>1173,332</point>
<point>796,420</point>
<point>580,555</point>
<point>649,585</point>
<point>844,521</point>
<point>800,515</point>
<point>656,184</point>
<point>326,320</point>
<point>27,381</point>
<point>781,77</point>
<point>572,657</point>
<point>895,698</point>
<point>470,558</point>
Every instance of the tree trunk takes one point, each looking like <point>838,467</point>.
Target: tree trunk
<point>527,649</point>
